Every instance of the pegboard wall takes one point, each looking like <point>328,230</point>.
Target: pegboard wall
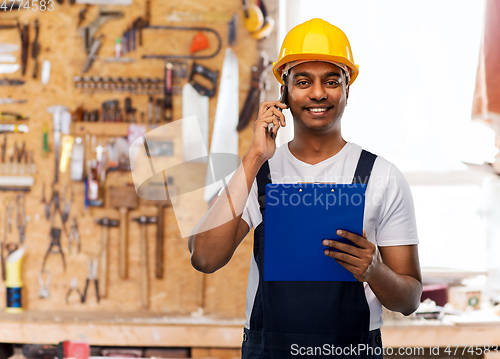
<point>182,289</point>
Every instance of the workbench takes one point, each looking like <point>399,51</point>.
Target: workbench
<point>201,331</point>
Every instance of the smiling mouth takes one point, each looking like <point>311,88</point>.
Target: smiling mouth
<point>318,110</point>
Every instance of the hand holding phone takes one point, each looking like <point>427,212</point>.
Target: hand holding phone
<point>282,99</point>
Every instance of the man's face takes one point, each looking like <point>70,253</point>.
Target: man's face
<point>317,95</point>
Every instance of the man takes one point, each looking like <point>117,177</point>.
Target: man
<point>286,319</point>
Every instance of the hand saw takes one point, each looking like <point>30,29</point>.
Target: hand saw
<point>224,134</point>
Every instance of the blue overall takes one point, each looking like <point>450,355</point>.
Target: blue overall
<point>290,316</point>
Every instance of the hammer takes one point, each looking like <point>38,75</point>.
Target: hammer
<point>158,191</point>
<point>103,278</point>
<point>143,222</point>
<point>123,198</point>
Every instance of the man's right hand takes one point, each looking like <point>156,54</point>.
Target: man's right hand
<point>263,146</point>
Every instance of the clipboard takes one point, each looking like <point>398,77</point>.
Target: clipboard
<point>298,217</point>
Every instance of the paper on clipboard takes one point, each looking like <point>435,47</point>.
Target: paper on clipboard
<point>298,217</point>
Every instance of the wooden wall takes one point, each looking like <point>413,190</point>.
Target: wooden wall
<point>180,290</point>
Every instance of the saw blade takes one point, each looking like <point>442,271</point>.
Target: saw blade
<point>224,135</point>
<point>194,133</point>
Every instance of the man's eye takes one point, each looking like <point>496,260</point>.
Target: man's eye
<point>302,83</point>
<point>332,82</point>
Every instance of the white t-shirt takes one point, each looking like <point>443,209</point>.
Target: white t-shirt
<point>389,218</point>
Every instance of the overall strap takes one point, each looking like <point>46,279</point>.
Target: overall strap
<point>364,168</point>
<point>263,178</point>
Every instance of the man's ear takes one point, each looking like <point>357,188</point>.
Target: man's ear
<point>346,93</point>
<point>284,94</point>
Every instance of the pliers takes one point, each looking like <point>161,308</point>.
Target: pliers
<point>92,275</point>
<point>74,236</point>
<point>74,287</point>
<point>55,241</point>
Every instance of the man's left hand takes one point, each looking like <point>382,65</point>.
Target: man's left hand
<point>362,262</point>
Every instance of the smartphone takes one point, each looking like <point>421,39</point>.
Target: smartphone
<point>282,99</point>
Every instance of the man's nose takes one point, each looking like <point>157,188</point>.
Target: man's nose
<point>317,92</point>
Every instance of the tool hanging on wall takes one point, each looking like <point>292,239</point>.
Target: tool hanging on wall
<point>91,277</point>
<point>11,82</point>
<point>224,134</point>
<point>8,68</point>
<point>55,200</point>
<point>143,22</point>
<point>24,33</point>
<point>44,291</point>
<point>4,128</point>
<point>74,236</point>
<point>105,223</point>
<point>66,148</point>
<point>8,48</point>
<point>10,116</point>
<point>143,222</point>
<point>92,55</point>
<point>194,105</point>
<point>200,42</point>
<point>20,165</point>
<point>158,191</point>
<point>57,118</point>
<point>150,110</point>
<point>35,50</point>
<point>7,58</point>
<point>54,247</point>
<point>232,25</point>
<point>129,38</point>
<point>8,100</point>
<point>88,32</point>
<point>81,15</point>
<point>45,72</point>
<point>167,106</point>
<point>77,160</point>
<point>185,28</point>
<point>159,111</point>
<point>124,199</point>
<point>21,217</point>
<point>73,287</point>
<point>46,204</point>
<point>200,70</point>
<point>252,101</point>
<point>256,20</point>
<point>67,203</point>
<point>136,86</point>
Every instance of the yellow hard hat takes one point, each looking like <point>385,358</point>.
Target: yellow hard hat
<point>315,39</point>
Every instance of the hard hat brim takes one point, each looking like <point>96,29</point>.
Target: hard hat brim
<point>277,66</point>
